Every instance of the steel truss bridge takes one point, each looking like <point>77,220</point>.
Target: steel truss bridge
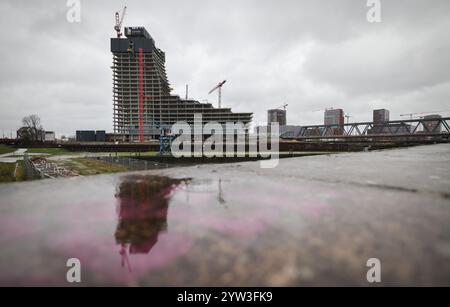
<point>413,129</point>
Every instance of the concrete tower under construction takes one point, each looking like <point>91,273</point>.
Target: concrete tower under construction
<point>143,103</point>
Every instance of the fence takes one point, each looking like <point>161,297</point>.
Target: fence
<point>41,168</point>
<point>133,164</point>
<point>30,171</point>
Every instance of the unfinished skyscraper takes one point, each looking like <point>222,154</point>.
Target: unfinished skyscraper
<point>143,103</point>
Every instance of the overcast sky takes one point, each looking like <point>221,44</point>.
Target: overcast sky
<point>308,54</point>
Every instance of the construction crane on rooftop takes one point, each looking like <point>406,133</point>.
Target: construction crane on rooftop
<point>283,106</point>
<point>119,21</point>
<point>411,115</point>
<point>219,88</point>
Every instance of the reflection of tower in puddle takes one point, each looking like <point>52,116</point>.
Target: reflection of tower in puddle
<point>142,212</point>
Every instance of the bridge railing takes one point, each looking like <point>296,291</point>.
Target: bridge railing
<point>398,128</point>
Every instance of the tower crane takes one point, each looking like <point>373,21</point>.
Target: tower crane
<point>219,88</point>
<point>119,21</point>
<point>411,115</point>
<point>283,106</point>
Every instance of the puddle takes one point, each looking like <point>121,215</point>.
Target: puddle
<point>143,203</point>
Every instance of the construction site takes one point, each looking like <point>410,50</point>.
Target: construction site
<point>143,104</point>
<point>144,111</point>
<point>342,192</point>
<point>144,107</point>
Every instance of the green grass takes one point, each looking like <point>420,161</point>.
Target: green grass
<point>7,172</point>
<point>129,153</point>
<point>144,154</point>
<point>20,173</point>
<point>6,149</point>
<point>86,167</point>
<point>50,151</point>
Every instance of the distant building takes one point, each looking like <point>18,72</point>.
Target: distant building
<point>85,136</point>
<point>380,116</point>
<point>90,136</point>
<point>432,126</point>
<point>381,125</point>
<point>276,116</point>
<point>100,136</point>
<point>49,136</point>
<point>334,117</point>
<point>30,134</point>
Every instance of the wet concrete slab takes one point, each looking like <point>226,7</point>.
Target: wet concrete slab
<point>309,221</point>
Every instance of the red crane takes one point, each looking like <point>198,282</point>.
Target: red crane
<point>219,87</point>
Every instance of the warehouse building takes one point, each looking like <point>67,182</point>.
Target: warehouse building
<point>90,136</point>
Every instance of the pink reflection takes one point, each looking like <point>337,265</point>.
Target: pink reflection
<point>143,202</point>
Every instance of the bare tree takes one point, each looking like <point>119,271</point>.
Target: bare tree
<point>32,129</point>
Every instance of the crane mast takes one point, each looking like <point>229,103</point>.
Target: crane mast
<point>219,88</point>
<point>119,21</point>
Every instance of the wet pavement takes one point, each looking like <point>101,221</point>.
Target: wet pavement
<point>310,221</point>
<point>17,155</point>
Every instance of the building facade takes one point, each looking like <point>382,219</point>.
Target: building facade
<point>142,99</point>
<point>276,116</point>
<point>49,136</point>
<point>380,116</point>
<point>90,136</point>
<point>334,117</point>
